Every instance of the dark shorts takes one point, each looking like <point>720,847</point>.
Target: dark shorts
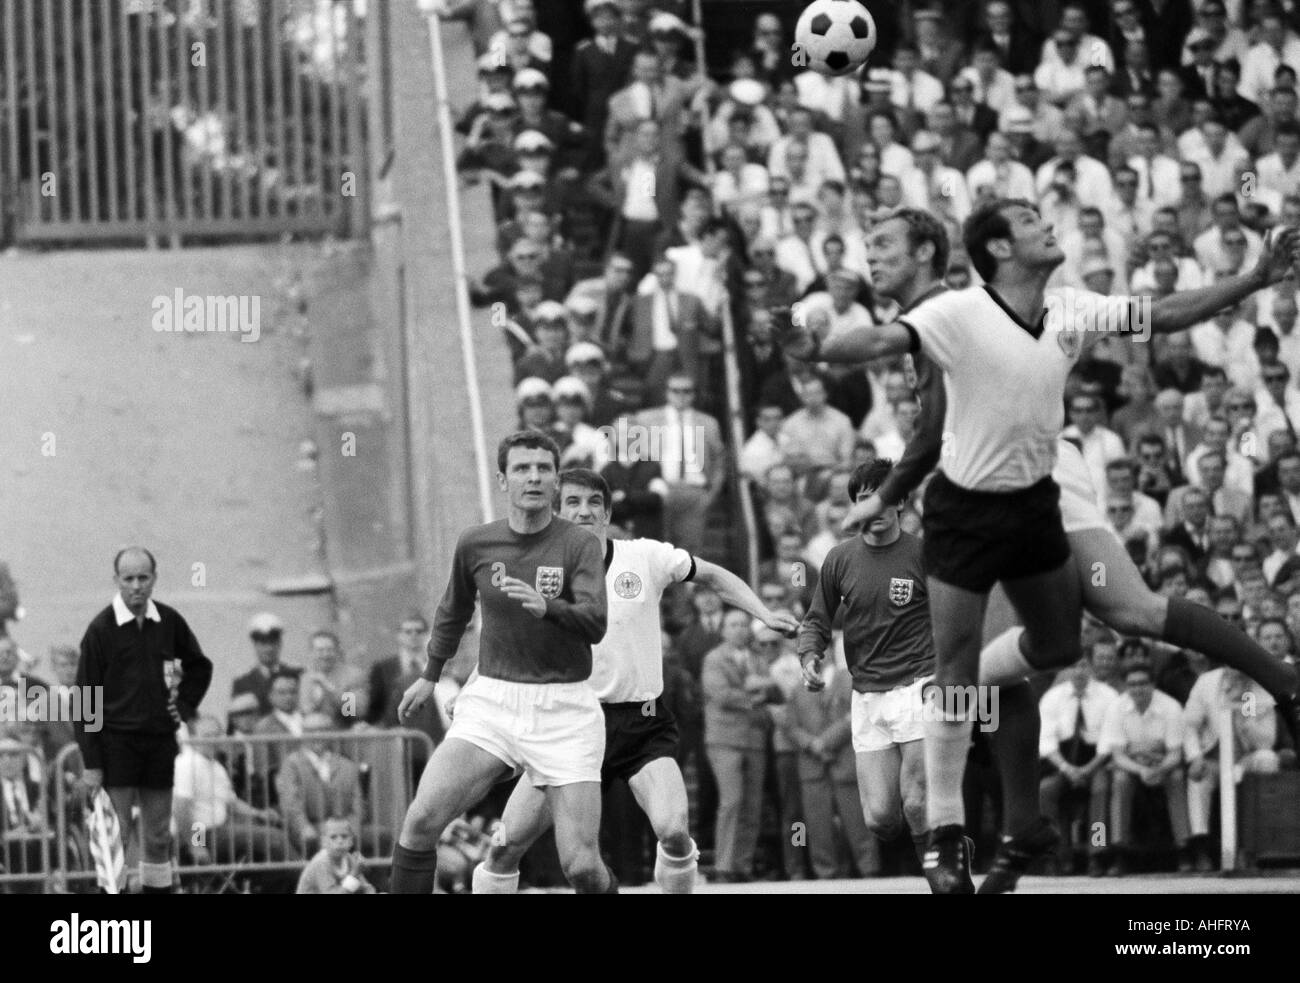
<point>974,539</point>
<point>635,735</point>
<point>139,760</point>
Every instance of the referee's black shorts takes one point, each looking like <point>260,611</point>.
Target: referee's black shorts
<point>635,735</point>
<point>139,760</point>
<point>973,539</point>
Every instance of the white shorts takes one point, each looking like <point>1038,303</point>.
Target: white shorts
<point>1079,508</point>
<point>552,732</point>
<point>893,717</point>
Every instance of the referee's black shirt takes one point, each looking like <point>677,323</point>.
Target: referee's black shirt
<point>128,662</point>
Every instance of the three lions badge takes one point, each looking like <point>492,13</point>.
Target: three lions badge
<point>549,582</point>
<point>900,591</point>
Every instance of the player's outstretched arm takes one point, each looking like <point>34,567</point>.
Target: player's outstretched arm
<point>853,346</point>
<point>737,593</point>
<point>1280,256</point>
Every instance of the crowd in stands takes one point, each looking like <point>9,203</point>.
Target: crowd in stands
<point>645,200</point>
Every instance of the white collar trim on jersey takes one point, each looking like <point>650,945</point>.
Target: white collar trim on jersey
<point>123,614</point>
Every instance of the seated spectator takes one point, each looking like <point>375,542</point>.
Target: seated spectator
<point>762,451</point>
<point>332,686</point>
<point>337,868</point>
<point>284,720</point>
<point>24,818</point>
<point>1072,713</point>
<point>1143,733</point>
<point>214,825</point>
<point>242,717</point>
<point>817,437</point>
<point>314,783</point>
<point>784,507</point>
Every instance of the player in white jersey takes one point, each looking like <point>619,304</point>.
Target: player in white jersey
<point>627,675</point>
<point>992,513</point>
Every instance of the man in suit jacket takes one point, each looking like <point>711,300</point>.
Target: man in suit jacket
<point>650,95</point>
<point>665,329</point>
<point>818,724</point>
<point>316,783</point>
<point>390,678</point>
<point>267,632</point>
<point>600,68</point>
<point>284,720</point>
<point>691,459</point>
<point>737,691</point>
<point>1193,532</point>
<point>612,299</point>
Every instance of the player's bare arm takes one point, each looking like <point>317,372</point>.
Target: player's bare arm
<point>736,593</point>
<point>1280,255</point>
<point>815,631</point>
<point>851,347</point>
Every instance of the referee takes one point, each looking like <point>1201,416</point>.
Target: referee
<point>133,651</point>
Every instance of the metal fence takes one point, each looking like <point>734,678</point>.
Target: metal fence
<point>26,842</point>
<point>372,780</point>
<point>166,119</point>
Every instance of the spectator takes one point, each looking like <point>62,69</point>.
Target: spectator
<point>389,679</point>
<point>337,868</point>
<point>586,361</point>
<point>267,632</point>
<point>817,437</point>
<point>535,403</point>
<point>1100,444</point>
<point>24,821</point>
<point>666,329</point>
<point>314,783</point>
<point>216,826</point>
<point>1254,729</point>
<point>1155,475</point>
<point>691,461</point>
<point>601,66</point>
<point>762,451</point>
<point>934,187</point>
<point>818,725</point>
<point>736,727</point>
<point>546,359</point>
<point>331,686</point>
<point>1143,732</point>
<point>650,96</point>
<point>999,174</point>
<point>784,507</point>
<point>584,445</point>
<point>1277,45</point>
<point>783,667</point>
<point>284,720</point>
<point>1074,773</point>
<point>637,487</point>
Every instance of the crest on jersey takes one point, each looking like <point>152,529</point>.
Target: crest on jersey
<point>549,582</point>
<point>627,585</point>
<point>900,591</point>
<point>1071,342</point>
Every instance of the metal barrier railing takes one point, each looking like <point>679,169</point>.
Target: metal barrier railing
<point>221,119</point>
<point>370,778</point>
<point>25,841</point>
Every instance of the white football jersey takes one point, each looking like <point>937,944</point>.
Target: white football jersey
<point>1006,387</point>
<point>627,665</point>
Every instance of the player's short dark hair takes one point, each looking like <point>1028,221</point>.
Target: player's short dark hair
<point>869,476</point>
<point>924,227</point>
<point>117,560</point>
<point>530,439</point>
<point>590,480</point>
<point>988,222</point>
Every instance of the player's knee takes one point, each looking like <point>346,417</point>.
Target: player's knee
<point>422,829</point>
<point>883,821</point>
<point>585,870</point>
<point>676,837</point>
<point>504,854</point>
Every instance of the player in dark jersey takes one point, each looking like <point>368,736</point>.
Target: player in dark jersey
<point>541,583</point>
<point>908,255</point>
<point>879,578</point>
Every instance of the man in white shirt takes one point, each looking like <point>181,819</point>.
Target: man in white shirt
<point>1091,240</point>
<point>836,310</point>
<point>1277,45</point>
<point>1254,729</point>
<point>816,437</point>
<point>1219,155</point>
<point>1239,475</point>
<point>1143,733</point>
<point>1228,342</point>
<point>701,267</point>
<point>1092,184</point>
<point>1125,212</point>
<point>1212,246</point>
<point>1159,177</point>
<point>1045,120</point>
<point>1100,444</point>
<point>1279,172</point>
<point>1280,312</point>
<point>762,450</point>
<point>1072,712</point>
<point>798,252</point>
<point>998,175</point>
<point>1066,57</point>
<point>911,88</point>
<point>1160,246</point>
<point>932,187</point>
<point>823,159</point>
<point>1121,480</point>
<point>994,85</point>
<point>1278,401</point>
<point>1282,535</point>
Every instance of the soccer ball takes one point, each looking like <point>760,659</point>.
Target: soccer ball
<point>835,36</point>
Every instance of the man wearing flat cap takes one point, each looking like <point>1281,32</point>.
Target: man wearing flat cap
<point>601,66</point>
